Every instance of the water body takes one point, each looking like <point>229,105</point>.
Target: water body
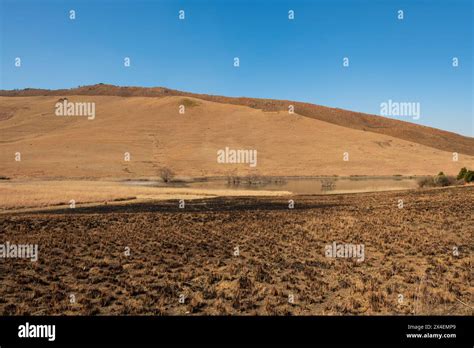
<point>320,185</point>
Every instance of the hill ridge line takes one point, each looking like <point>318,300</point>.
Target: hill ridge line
<point>428,136</point>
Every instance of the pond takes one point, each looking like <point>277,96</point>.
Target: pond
<point>313,185</point>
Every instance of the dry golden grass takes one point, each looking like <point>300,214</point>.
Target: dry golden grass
<point>431,137</point>
<point>41,193</point>
<point>157,136</point>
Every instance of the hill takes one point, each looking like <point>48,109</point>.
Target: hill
<point>432,137</point>
<point>146,123</point>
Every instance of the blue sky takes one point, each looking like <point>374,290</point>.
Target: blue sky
<point>407,61</point>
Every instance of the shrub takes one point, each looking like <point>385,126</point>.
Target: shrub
<point>469,177</point>
<point>166,174</point>
<point>439,180</point>
<point>466,175</point>
<point>426,182</point>
<point>462,173</point>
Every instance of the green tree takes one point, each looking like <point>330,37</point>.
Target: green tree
<point>462,173</point>
<point>469,177</point>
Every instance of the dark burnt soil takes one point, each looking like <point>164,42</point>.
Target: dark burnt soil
<point>183,261</point>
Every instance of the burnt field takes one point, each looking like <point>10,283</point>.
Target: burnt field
<point>246,256</point>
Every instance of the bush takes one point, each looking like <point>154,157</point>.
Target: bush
<point>469,177</point>
<point>439,180</point>
<point>462,173</point>
<point>426,182</point>
<point>466,175</point>
<point>166,174</point>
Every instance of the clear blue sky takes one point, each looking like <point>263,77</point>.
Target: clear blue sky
<point>407,60</point>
